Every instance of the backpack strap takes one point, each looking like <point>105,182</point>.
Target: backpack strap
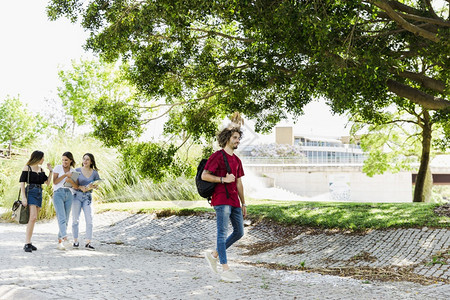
<point>228,171</point>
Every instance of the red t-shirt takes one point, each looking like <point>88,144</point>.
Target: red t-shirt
<point>216,165</point>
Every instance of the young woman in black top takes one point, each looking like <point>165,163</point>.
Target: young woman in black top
<point>32,192</point>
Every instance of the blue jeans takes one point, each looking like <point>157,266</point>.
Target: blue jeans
<point>62,201</point>
<point>82,201</point>
<point>224,214</point>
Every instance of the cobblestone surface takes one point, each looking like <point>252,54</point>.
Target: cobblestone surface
<point>142,257</point>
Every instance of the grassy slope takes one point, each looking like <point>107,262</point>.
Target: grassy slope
<point>315,214</point>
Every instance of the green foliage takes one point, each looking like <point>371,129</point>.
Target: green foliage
<point>441,140</point>
<point>171,189</point>
<point>207,151</point>
<point>120,183</point>
<point>441,194</point>
<point>86,82</point>
<point>395,144</point>
<point>18,125</point>
<point>115,122</point>
<point>265,58</point>
<point>198,61</point>
<point>390,147</point>
<point>7,169</point>
<point>149,159</point>
<point>98,92</point>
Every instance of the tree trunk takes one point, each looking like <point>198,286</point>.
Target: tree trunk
<point>419,191</point>
<point>9,149</point>
<point>73,127</point>
<point>428,186</point>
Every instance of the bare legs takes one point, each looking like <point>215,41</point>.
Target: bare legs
<point>34,212</point>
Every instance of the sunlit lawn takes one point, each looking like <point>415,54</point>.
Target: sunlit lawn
<point>357,216</point>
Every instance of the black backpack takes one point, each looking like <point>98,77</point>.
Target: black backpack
<point>206,188</point>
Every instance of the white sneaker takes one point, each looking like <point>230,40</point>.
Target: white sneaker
<point>60,246</point>
<point>229,276</point>
<point>212,261</point>
<point>66,244</point>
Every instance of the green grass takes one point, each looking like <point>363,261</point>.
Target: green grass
<point>327,215</point>
<point>355,216</point>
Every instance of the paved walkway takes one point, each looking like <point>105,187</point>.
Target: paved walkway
<point>142,257</point>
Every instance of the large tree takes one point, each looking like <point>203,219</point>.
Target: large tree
<point>90,86</point>
<point>266,59</point>
<point>18,126</point>
<point>403,138</point>
<point>97,93</point>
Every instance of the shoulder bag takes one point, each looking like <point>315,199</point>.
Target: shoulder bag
<point>20,213</point>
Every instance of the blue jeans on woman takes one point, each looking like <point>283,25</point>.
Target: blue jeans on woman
<point>82,201</point>
<point>62,201</point>
<point>224,214</point>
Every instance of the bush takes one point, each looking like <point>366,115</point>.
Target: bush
<point>277,151</point>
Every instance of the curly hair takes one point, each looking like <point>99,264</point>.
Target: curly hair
<point>224,136</point>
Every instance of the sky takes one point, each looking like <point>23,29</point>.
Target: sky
<point>32,48</point>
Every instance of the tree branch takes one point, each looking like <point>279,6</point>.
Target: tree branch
<point>435,21</point>
<point>179,103</point>
<point>146,121</point>
<point>431,9</point>
<point>400,121</point>
<point>391,32</point>
<point>417,96</point>
<point>384,5</point>
<point>184,102</point>
<point>425,81</point>
<point>404,8</point>
<point>427,20</point>
<point>223,35</point>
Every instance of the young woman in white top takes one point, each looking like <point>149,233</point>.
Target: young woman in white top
<point>63,196</point>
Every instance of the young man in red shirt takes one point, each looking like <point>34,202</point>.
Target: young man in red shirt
<point>227,199</point>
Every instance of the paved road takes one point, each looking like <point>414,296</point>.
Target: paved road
<point>141,257</point>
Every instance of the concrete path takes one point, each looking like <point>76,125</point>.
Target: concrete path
<point>142,257</point>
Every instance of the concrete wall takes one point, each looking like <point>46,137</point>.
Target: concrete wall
<point>284,135</point>
<point>338,183</point>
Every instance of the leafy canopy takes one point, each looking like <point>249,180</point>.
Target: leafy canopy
<point>268,58</point>
<point>201,60</point>
<point>18,126</point>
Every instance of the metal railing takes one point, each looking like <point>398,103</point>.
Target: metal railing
<point>319,160</point>
<point>6,152</point>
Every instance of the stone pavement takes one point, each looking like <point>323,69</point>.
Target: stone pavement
<point>144,257</point>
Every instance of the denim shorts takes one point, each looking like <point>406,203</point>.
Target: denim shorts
<point>34,195</point>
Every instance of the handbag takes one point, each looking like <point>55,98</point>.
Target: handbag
<point>20,213</point>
